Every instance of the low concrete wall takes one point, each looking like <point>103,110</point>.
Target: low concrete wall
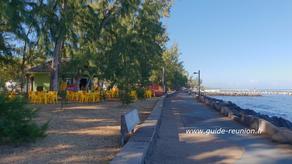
<point>262,123</point>
<point>139,145</point>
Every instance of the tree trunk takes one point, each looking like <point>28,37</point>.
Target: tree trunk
<point>56,64</point>
<point>22,67</point>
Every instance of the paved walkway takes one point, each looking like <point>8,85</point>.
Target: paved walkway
<point>174,145</point>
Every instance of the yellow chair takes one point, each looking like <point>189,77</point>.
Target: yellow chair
<point>30,93</point>
<point>70,95</point>
<point>44,97</point>
<point>83,97</point>
<point>115,92</point>
<point>148,93</point>
<point>31,97</point>
<point>75,96</point>
<point>95,97</point>
<point>52,97</point>
<point>133,94</point>
<point>108,94</point>
<point>90,97</point>
<point>37,98</point>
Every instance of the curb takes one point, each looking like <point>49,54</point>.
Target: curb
<point>139,145</point>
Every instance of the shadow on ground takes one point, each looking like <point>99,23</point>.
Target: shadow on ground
<point>79,133</point>
<point>175,145</point>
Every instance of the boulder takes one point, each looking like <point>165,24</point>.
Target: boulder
<point>235,118</point>
<point>249,120</point>
<point>230,115</point>
<point>207,101</point>
<point>225,110</point>
<point>217,106</point>
<point>279,121</point>
<point>265,127</point>
<point>284,135</point>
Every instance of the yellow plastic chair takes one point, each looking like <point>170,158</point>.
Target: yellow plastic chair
<point>90,97</point>
<point>94,97</point>
<point>52,97</point>
<point>75,96</point>
<point>97,97</point>
<point>133,94</point>
<point>32,97</point>
<point>149,93</point>
<point>70,95</point>
<point>43,97</point>
<point>115,92</point>
<point>83,97</point>
<point>146,94</point>
<point>87,96</point>
<point>37,98</point>
<point>108,94</point>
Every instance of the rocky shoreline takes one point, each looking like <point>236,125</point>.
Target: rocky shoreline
<point>278,128</point>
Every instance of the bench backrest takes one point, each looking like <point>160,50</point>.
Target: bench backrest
<point>128,123</point>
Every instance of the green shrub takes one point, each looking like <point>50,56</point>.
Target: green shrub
<point>140,93</point>
<point>16,122</point>
<point>125,97</point>
<point>102,94</point>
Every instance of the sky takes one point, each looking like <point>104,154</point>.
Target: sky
<point>235,43</point>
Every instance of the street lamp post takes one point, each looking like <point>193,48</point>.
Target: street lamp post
<point>199,82</point>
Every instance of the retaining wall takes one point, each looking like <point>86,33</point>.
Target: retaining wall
<point>142,142</point>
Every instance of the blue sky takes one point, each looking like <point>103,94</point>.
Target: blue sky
<point>235,43</point>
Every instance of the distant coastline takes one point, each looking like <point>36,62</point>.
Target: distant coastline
<point>247,92</point>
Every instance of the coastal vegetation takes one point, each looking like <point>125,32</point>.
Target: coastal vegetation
<point>121,42</point>
<point>16,122</point>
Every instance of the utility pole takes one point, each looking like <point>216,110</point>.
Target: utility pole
<point>199,82</point>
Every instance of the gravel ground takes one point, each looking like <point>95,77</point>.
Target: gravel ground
<point>80,133</point>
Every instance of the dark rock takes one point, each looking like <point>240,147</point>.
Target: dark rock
<point>267,127</point>
<point>284,135</point>
<point>249,120</point>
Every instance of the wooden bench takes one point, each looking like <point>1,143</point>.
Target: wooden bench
<point>128,123</point>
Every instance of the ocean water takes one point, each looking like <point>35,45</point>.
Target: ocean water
<point>272,105</point>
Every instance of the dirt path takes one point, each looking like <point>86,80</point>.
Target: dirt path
<point>78,134</point>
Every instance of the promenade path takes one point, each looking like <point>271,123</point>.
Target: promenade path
<point>174,145</point>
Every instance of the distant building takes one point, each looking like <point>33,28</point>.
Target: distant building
<point>40,78</point>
